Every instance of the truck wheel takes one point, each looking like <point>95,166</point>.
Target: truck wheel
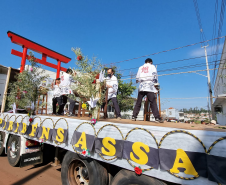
<point>13,150</point>
<point>2,136</point>
<point>76,171</point>
<point>126,177</point>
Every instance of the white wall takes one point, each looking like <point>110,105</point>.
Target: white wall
<point>219,87</point>
<point>46,72</point>
<point>221,118</point>
<point>2,86</point>
<point>181,115</point>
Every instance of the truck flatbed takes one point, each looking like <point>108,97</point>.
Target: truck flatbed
<point>180,125</point>
<point>159,136</point>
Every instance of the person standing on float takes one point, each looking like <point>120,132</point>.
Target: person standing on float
<point>57,98</point>
<point>147,76</point>
<point>112,84</point>
<point>66,80</point>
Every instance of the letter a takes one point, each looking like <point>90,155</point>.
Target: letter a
<point>189,168</point>
<point>82,141</point>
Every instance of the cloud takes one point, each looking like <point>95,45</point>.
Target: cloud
<point>201,52</point>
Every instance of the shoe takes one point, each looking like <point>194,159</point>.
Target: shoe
<point>57,114</point>
<point>159,120</point>
<point>70,114</point>
<point>119,118</point>
<point>134,118</point>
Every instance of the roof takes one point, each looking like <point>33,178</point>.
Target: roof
<point>8,67</point>
<point>220,99</point>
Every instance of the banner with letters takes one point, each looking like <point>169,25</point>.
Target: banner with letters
<point>141,156</point>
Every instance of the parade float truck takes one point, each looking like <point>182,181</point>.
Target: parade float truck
<point>107,152</point>
<point>110,151</point>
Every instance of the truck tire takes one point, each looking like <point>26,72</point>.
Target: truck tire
<point>13,150</point>
<point>2,136</point>
<point>76,171</point>
<point>126,177</point>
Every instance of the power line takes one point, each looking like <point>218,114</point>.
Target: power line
<point>185,67</point>
<point>177,73</point>
<point>181,60</point>
<point>214,35</point>
<point>202,35</point>
<point>188,98</point>
<point>165,51</point>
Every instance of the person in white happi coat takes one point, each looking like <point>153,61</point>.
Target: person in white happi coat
<point>66,91</point>
<point>57,97</point>
<point>112,84</point>
<point>147,76</point>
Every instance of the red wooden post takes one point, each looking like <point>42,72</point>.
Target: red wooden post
<point>44,57</point>
<point>58,69</point>
<point>23,61</point>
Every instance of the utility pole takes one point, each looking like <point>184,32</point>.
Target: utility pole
<point>208,107</point>
<point>209,83</point>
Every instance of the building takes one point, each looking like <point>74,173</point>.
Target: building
<point>7,75</point>
<point>186,117</point>
<point>181,116</point>
<point>172,114</point>
<point>220,90</point>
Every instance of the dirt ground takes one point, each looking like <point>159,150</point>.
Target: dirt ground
<point>31,175</point>
<point>187,126</point>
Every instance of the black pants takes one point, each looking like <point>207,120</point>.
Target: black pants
<point>151,99</point>
<point>62,100</point>
<point>71,99</point>
<point>116,106</point>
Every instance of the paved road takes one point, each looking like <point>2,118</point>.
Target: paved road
<point>31,175</point>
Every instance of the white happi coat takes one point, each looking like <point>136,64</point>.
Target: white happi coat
<point>113,81</point>
<point>65,84</point>
<point>147,76</point>
<point>56,91</point>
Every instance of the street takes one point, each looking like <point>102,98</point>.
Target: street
<point>30,175</point>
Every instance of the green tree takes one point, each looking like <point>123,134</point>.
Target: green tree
<point>25,91</point>
<point>86,72</point>
<point>195,110</point>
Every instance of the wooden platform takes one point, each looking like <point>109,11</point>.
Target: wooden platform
<point>186,126</point>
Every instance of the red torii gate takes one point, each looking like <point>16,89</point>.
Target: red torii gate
<point>46,52</point>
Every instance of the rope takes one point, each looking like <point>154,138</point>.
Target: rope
<point>77,129</point>
<point>148,169</point>
<point>54,126</point>
<point>115,157</point>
